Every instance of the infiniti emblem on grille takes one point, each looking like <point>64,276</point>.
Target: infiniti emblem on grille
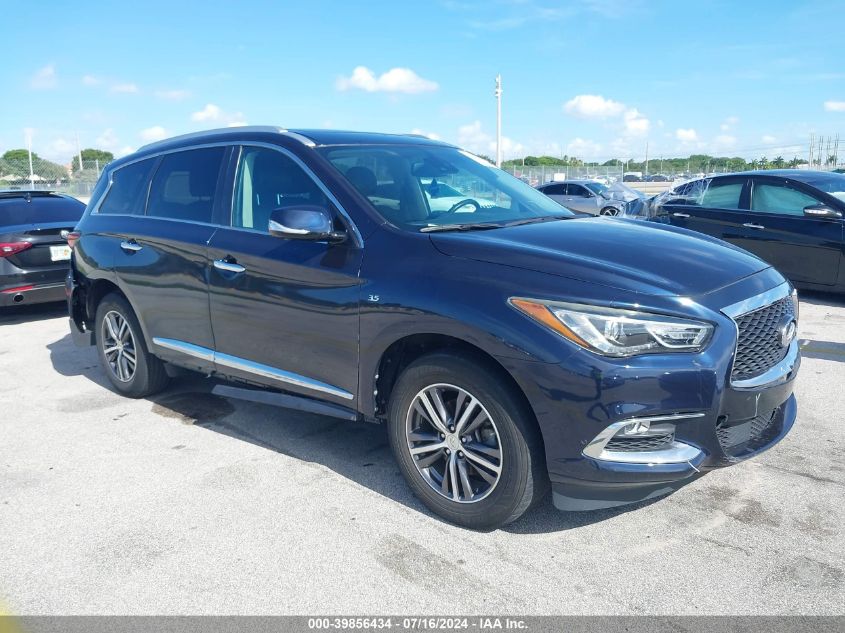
<point>786,330</point>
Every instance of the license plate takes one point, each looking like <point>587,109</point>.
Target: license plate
<point>59,253</point>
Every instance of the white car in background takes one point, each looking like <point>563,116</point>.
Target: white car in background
<point>589,196</point>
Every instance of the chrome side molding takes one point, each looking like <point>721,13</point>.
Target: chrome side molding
<point>242,364</point>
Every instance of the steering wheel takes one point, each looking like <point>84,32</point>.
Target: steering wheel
<point>463,203</point>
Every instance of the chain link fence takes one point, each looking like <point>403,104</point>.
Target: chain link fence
<point>46,175</point>
<point>537,174</point>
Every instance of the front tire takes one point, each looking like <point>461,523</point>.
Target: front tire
<point>130,367</point>
<point>612,211</point>
<point>466,442</point>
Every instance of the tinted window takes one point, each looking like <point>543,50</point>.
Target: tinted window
<point>128,191</point>
<point>554,190</point>
<point>577,190</point>
<point>269,180</point>
<point>781,199</point>
<point>184,185</point>
<point>16,210</point>
<point>721,195</point>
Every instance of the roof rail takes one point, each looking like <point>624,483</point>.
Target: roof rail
<point>231,131</point>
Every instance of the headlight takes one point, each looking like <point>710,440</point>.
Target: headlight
<point>613,332</point>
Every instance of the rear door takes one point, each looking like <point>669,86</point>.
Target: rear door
<point>285,312</point>
<point>556,191</point>
<point>805,249</point>
<point>162,259</point>
<point>715,206</point>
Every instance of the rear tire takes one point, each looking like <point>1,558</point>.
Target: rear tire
<point>130,367</point>
<point>469,452</point>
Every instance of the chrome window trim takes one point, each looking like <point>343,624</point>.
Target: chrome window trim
<point>242,364</point>
<point>677,452</point>
<point>234,131</point>
<point>781,372</point>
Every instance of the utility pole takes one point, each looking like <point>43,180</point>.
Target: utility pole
<point>810,153</point>
<point>498,120</point>
<point>646,158</point>
<point>29,151</point>
<point>78,151</point>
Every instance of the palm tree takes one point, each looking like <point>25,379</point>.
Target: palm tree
<point>778,162</point>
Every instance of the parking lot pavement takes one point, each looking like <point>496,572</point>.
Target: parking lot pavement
<point>192,503</point>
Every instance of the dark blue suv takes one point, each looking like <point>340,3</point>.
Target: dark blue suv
<point>508,345</point>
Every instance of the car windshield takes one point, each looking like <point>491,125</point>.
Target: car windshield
<point>597,188</point>
<point>430,187</point>
<point>834,184</point>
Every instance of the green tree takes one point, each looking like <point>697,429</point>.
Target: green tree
<point>91,155</point>
<point>778,162</point>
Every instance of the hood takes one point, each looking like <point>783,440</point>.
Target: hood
<point>635,256</point>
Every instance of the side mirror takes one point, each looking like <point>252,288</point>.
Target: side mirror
<point>304,222</point>
<point>822,211</point>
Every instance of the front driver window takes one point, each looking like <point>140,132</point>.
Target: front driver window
<point>268,180</point>
<point>780,199</point>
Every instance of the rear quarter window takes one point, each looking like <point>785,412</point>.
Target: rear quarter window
<point>128,192</point>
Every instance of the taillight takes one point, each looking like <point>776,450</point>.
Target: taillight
<point>7,249</point>
<point>73,238</point>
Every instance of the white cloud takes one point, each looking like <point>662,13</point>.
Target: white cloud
<point>635,123</point>
<point>729,123</point>
<point>44,78</point>
<point>473,138</point>
<point>107,140</point>
<point>834,106</point>
<point>123,151</point>
<point>768,138</point>
<point>583,148</point>
<point>431,135</point>
<point>154,133</point>
<point>90,80</point>
<point>125,88</point>
<point>593,106</point>
<point>212,113</point>
<point>402,80</point>
<point>60,148</point>
<point>724,141</point>
<point>172,95</point>
<point>686,135</point>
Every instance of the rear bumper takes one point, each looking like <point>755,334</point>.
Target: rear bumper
<point>23,294</point>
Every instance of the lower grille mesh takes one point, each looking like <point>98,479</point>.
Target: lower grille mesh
<point>640,443</point>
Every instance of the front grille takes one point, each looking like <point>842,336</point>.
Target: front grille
<point>640,443</point>
<point>758,348</point>
<point>748,435</point>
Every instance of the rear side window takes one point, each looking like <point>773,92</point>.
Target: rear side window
<point>722,195</point>
<point>128,192</point>
<point>184,185</point>
<point>780,199</point>
<point>41,209</point>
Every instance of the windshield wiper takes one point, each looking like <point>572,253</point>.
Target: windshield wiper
<point>545,218</point>
<point>461,227</point>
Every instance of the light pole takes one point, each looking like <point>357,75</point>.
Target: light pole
<point>498,120</point>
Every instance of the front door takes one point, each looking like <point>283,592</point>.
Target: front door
<point>579,198</point>
<point>805,249</point>
<point>284,312</point>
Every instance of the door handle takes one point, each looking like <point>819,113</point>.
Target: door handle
<point>228,266</point>
<point>131,246</point>
<point>751,225</point>
<point>681,215</point>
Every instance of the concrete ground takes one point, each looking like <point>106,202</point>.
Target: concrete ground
<point>192,503</point>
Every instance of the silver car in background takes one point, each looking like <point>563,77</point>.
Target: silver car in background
<point>589,196</point>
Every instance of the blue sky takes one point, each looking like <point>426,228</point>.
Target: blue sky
<point>592,78</point>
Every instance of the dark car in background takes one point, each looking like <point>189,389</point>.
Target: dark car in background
<point>507,345</point>
<point>34,253</point>
<point>792,219</point>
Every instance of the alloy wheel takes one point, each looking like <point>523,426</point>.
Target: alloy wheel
<point>454,443</point>
<point>119,346</point>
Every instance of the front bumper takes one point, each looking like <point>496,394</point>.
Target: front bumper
<point>580,404</point>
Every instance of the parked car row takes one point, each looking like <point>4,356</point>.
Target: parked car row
<point>508,344</point>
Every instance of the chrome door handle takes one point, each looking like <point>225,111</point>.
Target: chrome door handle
<point>681,215</point>
<point>229,267</point>
<point>751,225</point>
<point>131,246</point>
